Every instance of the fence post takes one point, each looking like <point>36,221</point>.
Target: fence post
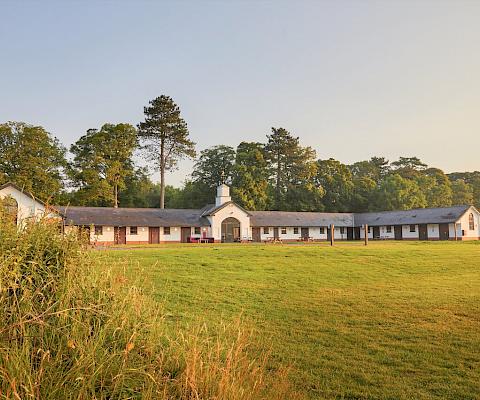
<point>366,234</point>
<point>332,235</point>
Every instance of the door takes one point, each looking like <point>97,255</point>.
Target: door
<point>256,237</point>
<point>305,233</point>
<point>120,233</point>
<point>154,235</point>
<point>236,233</point>
<point>275,233</point>
<point>397,229</point>
<point>186,233</point>
<point>349,233</point>
<point>444,232</point>
<point>376,232</point>
<point>422,232</point>
<point>357,233</point>
<point>230,230</point>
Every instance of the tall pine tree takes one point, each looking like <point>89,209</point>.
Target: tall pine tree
<point>165,137</point>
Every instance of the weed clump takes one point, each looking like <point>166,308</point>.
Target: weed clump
<point>71,327</point>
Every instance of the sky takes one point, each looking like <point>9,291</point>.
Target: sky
<point>352,79</point>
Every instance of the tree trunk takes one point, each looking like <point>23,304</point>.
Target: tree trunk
<point>277,192</point>
<point>116,196</point>
<point>162,174</point>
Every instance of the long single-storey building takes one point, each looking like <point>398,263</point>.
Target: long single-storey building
<point>226,221</point>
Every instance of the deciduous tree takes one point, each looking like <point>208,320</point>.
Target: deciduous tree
<point>250,176</point>
<point>214,166</point>
<point>336,180</point>
<point>462,193</point>
<point>33,159</point>
<point>292,169</point>
<point>102,162</point>
<point>397,193</point>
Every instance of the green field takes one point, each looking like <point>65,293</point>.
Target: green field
<point>387,321</point>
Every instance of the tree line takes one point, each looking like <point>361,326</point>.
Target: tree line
<point>279,174</point>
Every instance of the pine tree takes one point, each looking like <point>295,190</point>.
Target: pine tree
<point>165,137</point>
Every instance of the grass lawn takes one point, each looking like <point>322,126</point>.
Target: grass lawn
<point>394,320</point>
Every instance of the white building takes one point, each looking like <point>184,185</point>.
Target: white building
<point>27,206</point>
<point>226,221</point>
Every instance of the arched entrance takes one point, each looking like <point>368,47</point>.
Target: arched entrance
<point>11,208</point>
<point>230,230</point>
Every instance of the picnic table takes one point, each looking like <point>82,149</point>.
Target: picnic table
<point>201,240</point>
<point>273,240</point>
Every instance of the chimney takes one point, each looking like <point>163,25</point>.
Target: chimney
<point>223,195</point>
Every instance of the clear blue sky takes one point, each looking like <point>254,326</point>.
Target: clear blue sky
<point>353,79</point>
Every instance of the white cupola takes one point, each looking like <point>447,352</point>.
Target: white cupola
<point>223,195</point>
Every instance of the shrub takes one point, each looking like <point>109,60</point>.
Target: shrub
<point>72,328</point>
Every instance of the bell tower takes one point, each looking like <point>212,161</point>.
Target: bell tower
<point>223,195</point>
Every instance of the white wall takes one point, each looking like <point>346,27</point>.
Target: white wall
<point>362,233</point>
<point>141,236</point>
<point>313,232</point>
<point>406,234</point>
<point>463,224</point>
<point>108,234</point>
<point>233,211</point>
<point>433,231</point>
<point>175,234</point>
<point>27,207</point>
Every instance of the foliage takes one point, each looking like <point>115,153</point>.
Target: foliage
<point>102,163</point>
<point>292,168</point>
<point>165,137</point>
<point>472,179</point>
<point>214,166</point>
<point>462,192</point>
<point>397,193</point>
<point>280,174</point>
<point>250,176</point>
<point>73,327</point>
<point>335,179</point>
<point>32,158</point>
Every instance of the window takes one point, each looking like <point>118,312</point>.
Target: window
<point>369,229</point>
<point>413,228</point>
<point>166,230</point>
<point>98,230</point>
<point>342,230</point>
<point>295,230</point>
<point>284,231</point>
<point>265,230</point>
<point>322,230</point>
<point>197,230</point>
<point>133,230</point>
<point>471,222</point>
<point>389,228</point>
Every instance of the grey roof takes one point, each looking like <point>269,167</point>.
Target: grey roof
<point>109,216</point>
<point>211,209</point>
<point>411,217</point>
<point>292,218</point>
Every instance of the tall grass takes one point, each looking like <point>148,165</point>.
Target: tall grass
<point>72,328</point>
